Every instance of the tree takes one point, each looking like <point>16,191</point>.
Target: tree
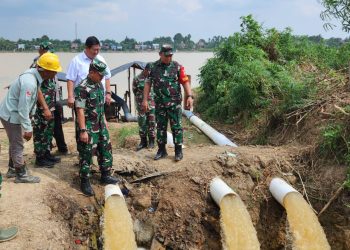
<point>339,9</point>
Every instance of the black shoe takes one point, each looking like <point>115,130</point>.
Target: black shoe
<point>151,142</point>
<point>52,158</point>
<point>108,179</point>
<point>42,162</point>
<point>23,176</point>
<point>85,186</point>
<point>178,153</point>
<point>11,172</point>
<point>143,144</point>
<point>161,152</point>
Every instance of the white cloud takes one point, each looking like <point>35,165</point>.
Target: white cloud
<point>309,8</point>
<point>101,11</point>
<point>190,5</point>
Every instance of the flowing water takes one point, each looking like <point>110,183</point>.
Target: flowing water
<point>238,232</point>
<point>118,227</point>
<point>306,229</point>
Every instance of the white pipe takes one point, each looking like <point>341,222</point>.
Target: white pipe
<point>279,188</point>
<point>219,189</point>
<point>111,189</point>
<point>213,134</point>
<point>169,139</point>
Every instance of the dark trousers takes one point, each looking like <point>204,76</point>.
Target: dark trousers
<point>58,131</point>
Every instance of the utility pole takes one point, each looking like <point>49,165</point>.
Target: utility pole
<point>76,31</point>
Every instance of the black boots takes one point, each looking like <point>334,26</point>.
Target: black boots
<point>143,144</point>
<point>52,158</point>
<point>107,178</point>
<point>178,153</point>
<point>43,162</point>
<point>161,152</point>
<point>85,186</point>
<point>151,142</point>
<point>11,172</point>
<point>23,176</point>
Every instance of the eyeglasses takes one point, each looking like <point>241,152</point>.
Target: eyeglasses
<point>168,55</point>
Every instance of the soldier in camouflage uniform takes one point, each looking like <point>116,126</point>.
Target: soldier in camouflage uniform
<point>166,77</point>
<point>43,125</point>
<point>43,128</point>
<point>146,120</point>
<point>93,134</point>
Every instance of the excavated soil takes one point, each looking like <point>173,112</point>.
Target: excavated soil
<point>170,202</point>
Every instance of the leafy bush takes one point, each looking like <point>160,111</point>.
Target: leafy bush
<point>254,70</point>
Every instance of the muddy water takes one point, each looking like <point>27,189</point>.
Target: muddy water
<point>238,232</point>
<point>306,229</point>
<point>14,64</point>
<point>118,228</point>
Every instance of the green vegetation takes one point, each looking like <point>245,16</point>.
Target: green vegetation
<point>258,76</point>
<point>338,9</point>
<point>336,143</point>
<point>257,70</point>
<point>125,132</point>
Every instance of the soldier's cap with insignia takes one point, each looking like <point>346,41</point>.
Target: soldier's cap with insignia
<point>46,45</point>
<point>99,66</point>
<point>167,49</point>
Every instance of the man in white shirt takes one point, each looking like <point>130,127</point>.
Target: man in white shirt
<point>78,69</point>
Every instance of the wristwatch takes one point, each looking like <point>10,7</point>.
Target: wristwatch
<point>109,92</point>
<point>82,130</point>
<point>190,96</point>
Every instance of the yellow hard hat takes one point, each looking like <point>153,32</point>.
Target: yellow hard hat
<point>50,61</point>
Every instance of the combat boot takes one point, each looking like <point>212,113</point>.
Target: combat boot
<point>43,162</point>
<point>161,152</point>
<point>178,153</point>
<point>52,158</point>
<point>107,178</point>
<point>23,176</point>
<point>151,142</point>
<point>85,186</point>
<point>8,233</point>
<point>143,144</point>
<point>11,172</point>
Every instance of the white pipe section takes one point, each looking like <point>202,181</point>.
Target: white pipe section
<point>279,188</point>
<point>169,139</point>
<point>213,134</point>
<point>111,189</point>
<point>219,189</point>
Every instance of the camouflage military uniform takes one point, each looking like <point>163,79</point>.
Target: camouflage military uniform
<point>146,121</point>
<point>167,96</point>
<point>89,96</point>
<point>42,128</point>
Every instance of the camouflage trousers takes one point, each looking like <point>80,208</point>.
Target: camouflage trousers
<point>146,121</point>
<point>42,133</point>
<point>99,145</point>
<point>172,113</point>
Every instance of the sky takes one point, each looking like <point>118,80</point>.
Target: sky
<point>146,19</point>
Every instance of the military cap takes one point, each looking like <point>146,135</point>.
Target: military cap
<point>99,66</point>
<point>167,49</point>
<point>46,45</point>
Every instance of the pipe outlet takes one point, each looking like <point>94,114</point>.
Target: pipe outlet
<point>111,189</point>
<point>279,188</point>
<point>219,189</point>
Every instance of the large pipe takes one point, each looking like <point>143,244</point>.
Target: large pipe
<point>219,189</point>
<point>214,135</point>
<point>120,102</point>
<point>279,189</point>
<point>118,228</point>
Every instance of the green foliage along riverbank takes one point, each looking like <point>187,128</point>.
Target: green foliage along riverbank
<point>267,75</point>
<point>258,69</point>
